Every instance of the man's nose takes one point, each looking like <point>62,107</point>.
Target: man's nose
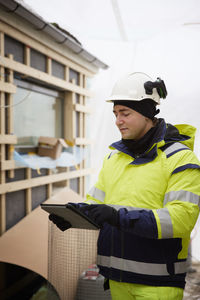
<point>119,121</point>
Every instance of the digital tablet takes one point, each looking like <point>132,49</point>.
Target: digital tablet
<point>71,214</point>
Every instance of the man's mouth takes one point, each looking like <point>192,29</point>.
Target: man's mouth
<point>123,129</point>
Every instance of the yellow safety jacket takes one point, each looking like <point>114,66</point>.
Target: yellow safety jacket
<point>157,195</point>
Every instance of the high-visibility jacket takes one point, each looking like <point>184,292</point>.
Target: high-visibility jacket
<point>157,195</point>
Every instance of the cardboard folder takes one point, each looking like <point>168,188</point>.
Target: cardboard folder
<point>71,214</point>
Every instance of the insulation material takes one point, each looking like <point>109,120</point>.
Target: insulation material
<point>35,161</point>
<point>70,254</point>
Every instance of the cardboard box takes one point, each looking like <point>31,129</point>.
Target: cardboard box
<point>52,147</point>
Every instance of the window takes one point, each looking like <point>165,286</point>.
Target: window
<point>38,60</point>
<point>14,47</point>
<point>37,112</point>
<point>58,70</point>
<point>73,75</point>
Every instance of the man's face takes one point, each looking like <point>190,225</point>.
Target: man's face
<point>131,124</point>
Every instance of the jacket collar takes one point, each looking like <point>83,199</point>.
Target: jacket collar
<point>165,134</point>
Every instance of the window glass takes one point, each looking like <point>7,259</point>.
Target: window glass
<point>14,47</point>
<point>38,60</point>
<point>58,70</point>
<point>36,114</point>
<point>73,75</point>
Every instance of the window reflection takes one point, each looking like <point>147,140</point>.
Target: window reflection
<point>37,115</point>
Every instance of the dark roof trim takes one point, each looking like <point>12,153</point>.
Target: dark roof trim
<point>59,36</point>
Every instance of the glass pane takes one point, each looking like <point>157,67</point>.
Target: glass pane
<point>35,115</point>
<point>58,70</point>
<point>73,75</point>
<point>15,207</point>
<point>14,47</point>
<point>38,60</point>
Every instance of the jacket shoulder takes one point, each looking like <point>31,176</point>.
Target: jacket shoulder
<point>172,148</point>
<point>180,157</point>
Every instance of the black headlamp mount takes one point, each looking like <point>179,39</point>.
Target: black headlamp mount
<point>159,85</point>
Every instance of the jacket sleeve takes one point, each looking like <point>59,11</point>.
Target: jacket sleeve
<point>180,206</point>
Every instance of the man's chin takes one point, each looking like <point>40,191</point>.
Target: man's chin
<point>126,137</point>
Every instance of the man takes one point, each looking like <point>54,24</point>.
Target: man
<point>146,198</point>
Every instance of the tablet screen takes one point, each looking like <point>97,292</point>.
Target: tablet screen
<point>71,214</point>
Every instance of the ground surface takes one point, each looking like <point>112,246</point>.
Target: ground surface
<point>192,289</point>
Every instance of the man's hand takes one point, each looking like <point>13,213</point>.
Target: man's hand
<point>61,223</point>
<point>101,213</point>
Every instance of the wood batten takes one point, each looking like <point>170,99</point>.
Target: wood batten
<point>43,180</point>
<point>2,145</point>
<point>39,75</point>
<point>34,39</point>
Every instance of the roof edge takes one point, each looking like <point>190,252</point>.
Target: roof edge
<point>58,35</point>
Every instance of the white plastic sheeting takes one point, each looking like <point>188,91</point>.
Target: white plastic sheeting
<point>36,162</point>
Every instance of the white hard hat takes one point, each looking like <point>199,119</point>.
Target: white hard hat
<point>136,87</point>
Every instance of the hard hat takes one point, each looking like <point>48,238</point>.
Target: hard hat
<point>136,87</point>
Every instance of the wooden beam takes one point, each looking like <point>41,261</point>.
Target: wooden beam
<point>7,87</point>
<point>28,193</point>
<point>2,213</point>
<point>42,180</point>
<point>8,139</point>
<point>2,147</point>
<point>83,108</point>
<point>46,50</point>
<point>31,72</point>
<point>49,186</point>
<point>27,56</point>
<point>2,43</point>
<point>2,113</point>
<point>7,165</point>
<point>66,75</point>
<point>83,141</point>
<point>2,73</point>
<point>10,124</point>
<point>69,117</point>
<point>49,65</point>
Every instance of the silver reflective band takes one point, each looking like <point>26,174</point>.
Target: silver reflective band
<point>175,147</point>
<point>182,196</point>
<point>113,152</point>
<point>165,222</point>
<point>139,267</point>
<point>97,194</point>
<point>129,208</point>
<point>90,202</point>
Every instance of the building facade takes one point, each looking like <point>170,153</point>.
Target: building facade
<point>45,75</point>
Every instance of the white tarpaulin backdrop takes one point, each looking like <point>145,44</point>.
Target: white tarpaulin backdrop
<point>161,38</point>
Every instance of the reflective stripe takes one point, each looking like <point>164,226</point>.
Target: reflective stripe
<point>182,196</point>
<point>175,148</point>
<point>112,153</point>
<point>165,222</point>
<point>129,208</point>
<point>139,267</point>
<point>97,194</point>
<point>90,202</point>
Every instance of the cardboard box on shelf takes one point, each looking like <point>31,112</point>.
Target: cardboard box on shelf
<point>52,147</point>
